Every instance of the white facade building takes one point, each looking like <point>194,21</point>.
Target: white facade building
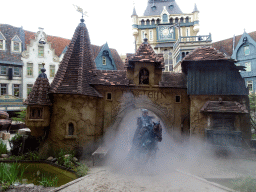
<point>37,54</point>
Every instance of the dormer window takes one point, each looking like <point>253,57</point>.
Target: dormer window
<point>16,44</point>
<point>171,7</point>
<point>246,50</point>
<point>2,41</point>
<point>153,8</point>
<point>104,60</point>
<point>165,18</point>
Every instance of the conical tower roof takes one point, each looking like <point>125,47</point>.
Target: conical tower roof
<point>155,7</point>
<point>75,71</point>
<point>40,90</point>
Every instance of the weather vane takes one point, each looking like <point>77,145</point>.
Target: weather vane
<point>80,10</point>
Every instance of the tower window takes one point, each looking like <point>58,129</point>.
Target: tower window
<point>109,96</point>
<point>36,113</point>
<point>250,85</point>
<point>71,129</point>
<point>171,21</point>
<point>142,22</point>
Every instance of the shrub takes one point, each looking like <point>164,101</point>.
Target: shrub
<point>48,181</point>
<point>3,147</point>
<point>81,170</point>
<point>32,156</point>
<point>247,184</point>
<point>15,144</point>
<point>64,159</point>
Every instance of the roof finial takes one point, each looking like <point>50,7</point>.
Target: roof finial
<point>80,10</point>
<point>43,75</point>
<point>145,39</point>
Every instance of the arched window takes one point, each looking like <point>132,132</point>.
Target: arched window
<point>158,21</point>
<point>165,18</point>
<point>153,22</point>
<point>71,129</point>
<point>171,21</point>
<point>147,22</point>
<point>181,20</point>
<point>144,77</point>
<point>187,19</point>
<point>176,20</point>
<point>142,22</point>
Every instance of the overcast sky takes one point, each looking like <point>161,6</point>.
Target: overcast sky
<point>110,20</point>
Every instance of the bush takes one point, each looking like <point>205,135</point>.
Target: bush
<point>16,144</point>
<point>3,147</point>
<point>247,184</point>
<point>81,170</point>
<point>65,158</point>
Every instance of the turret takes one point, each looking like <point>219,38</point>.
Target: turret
<point>196,19</point>
<point>135,31</point>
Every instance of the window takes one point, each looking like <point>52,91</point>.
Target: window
<point>142,22</point>
<point>16,44</point>
<point>250,86</point>
<point>151,35</point>
<point>144,77</point>
<point>187,19</point>
<point>52,70</point>
<point>147,22</point>
<point>40,51</point>
<point>71,129</point>
<point>16,90</point>
<point>171,7</point>
<point>1,44</point>
<point>30,69</point>
<point>29,88</point>
<point>109,96</point>
<point>153,22</point>
<point>177,99</point>
<point>36,113</point>
<point>40,66</point>
<point>171,21</point>
<point>187,32</point>
<point>143,35</point>
<point>104,61</point>
<point>248,66</point>
<point>246,50</point>
<point>165,18</point>
<point>16,71</point>
<point>181,20</point>
<point>3,89</point>
<point>2,41</point>
<point>176,20</point>
<point>3,70</point>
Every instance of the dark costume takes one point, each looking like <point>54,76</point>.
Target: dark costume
<point>146,137</point>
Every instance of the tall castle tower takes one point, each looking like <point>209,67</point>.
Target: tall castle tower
<point>167,28</point>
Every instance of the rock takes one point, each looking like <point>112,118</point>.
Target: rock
<point>75,159</point>
<point>24,131</point>
<point>30,185</point>
<point>49,159</point>
<point>6,136</point>
<point>4,156</point>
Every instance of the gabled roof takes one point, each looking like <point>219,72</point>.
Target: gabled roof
<point>223,107</point>
<point>205,54</point>
<point>227,45</point>
<point>171,7</point>
<point>145,54</point>
<point>75,70</point>
<point>39,93</point>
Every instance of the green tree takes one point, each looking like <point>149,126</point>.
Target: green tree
<point>21,116</point>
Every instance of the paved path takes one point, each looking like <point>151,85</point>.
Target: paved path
<point>103,179</point>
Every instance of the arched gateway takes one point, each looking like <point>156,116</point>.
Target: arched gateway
<point>82,103</point>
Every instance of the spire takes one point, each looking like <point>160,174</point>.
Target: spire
<point>134,12</point>
<point>75,71</point>
<point>195,9</point>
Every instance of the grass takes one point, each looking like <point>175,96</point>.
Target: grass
<point>247,184</point>
<point>49,181</point>
<point>10,173</point>
<point>3,147</point>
